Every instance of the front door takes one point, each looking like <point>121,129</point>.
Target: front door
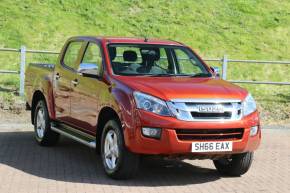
<point>86,90</point>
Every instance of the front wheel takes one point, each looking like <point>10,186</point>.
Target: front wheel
<point>237,165</point>
<point>118,162</point>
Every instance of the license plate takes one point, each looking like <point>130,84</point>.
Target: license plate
<point>212,146</point>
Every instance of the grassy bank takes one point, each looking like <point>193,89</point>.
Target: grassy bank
<point>242,29</point>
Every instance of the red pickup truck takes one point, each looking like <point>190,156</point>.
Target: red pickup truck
<point>129,97</point>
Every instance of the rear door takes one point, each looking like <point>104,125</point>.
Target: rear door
<point>64,74</point>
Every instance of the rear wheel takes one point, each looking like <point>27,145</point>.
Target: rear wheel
<point>118,162</point>
<point>237,165</point>
<point>43,134</point>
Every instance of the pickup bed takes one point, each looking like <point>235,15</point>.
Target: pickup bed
<point>129,97</point>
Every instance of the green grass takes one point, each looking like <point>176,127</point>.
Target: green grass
<point>242,29</point>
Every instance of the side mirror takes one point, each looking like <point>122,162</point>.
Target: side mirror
<point>89,70</point>
<point>216,70</point>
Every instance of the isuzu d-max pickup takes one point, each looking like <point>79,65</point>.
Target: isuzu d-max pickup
<point>130,97</point>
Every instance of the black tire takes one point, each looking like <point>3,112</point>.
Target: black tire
<point>237,165</point>
<point>127,163</point>
<point>47,136</point>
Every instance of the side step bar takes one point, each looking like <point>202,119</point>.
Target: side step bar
<point>69,132</point>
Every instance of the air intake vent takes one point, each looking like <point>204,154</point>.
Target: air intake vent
<point>210,134</point>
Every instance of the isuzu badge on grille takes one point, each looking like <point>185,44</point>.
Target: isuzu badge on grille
<point>210,108</point>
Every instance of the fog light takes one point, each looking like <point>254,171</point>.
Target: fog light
<point>254,131</point>
<point>151,132</point>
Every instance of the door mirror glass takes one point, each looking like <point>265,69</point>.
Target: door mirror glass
<point>88,69</point>
<point>216,70</point>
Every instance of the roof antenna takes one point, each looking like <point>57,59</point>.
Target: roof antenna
<point>145,39</point>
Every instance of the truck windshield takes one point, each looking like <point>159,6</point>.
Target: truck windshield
<point>155,60</point>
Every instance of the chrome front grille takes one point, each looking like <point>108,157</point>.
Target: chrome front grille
<point>206,109</point>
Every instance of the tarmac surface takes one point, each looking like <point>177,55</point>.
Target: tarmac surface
<point>69,167</point>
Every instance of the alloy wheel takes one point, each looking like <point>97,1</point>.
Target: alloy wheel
<point>111,150</point>
<point>40,123</point>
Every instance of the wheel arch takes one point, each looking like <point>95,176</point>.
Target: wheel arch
<point>107,113</point>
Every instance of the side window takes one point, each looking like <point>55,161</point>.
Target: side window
<point>187,65</point>
<point>71,54</point>
<point>93,57</point>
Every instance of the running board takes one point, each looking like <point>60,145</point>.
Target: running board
<point>69,132</point>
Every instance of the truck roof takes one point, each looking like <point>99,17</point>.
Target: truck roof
<point>138,40</point>
<point>141,40</point>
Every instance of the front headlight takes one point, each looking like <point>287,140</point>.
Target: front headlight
<point>151,104</point>
<point>249,105</point>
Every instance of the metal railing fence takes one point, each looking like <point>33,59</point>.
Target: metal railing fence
<point>224,61</point>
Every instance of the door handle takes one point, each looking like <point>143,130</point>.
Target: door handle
<point>57,76</point>
<point>75,82</point>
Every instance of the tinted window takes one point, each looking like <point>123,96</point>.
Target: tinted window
<point>71,54</point>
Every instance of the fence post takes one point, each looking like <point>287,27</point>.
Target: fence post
<point>224,68</point>
<point>22,69</point>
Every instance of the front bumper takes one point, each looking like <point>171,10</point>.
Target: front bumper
<point>169,143</point>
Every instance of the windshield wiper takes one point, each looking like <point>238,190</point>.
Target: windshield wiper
<point>170,75</point>
<point>161,75</point>
<point>201,75</point>
<point>189,75</point>
<point>183,75</point>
